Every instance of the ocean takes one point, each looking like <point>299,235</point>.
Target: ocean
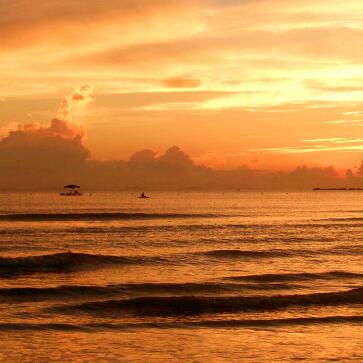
<point>181,277</point>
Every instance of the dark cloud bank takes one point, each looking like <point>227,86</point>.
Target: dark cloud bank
<point>47,157</point>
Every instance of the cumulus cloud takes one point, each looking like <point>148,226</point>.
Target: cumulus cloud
<point>35,154</point>
<point>4,130</point>
<point>143,158</point>
<point>33,145</point>
<point>74,102</point>
<point>176,158</point>
<point>36,157</point>
<point>63,126</point>
<point>47,156</point>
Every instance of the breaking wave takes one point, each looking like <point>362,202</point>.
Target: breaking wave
<point>194,305</point>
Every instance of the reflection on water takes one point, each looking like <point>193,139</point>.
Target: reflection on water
<point>313,343</point>
<point>218,276</point>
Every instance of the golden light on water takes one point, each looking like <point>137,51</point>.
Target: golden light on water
<point>210,156</point>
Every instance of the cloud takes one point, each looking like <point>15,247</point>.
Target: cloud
<point>63,126</point>
<point>74,102</point>
<point>331,139</point>
<point>172,160</point>
<point>175,158</point>
<point>5,130</point>
<point>173,72</point>
<point>344,122</point>
<point>143,158</point>
<point>332,144</point>
<point>143,99</point>
<point>315,148</point>
<point>26,23</point>
<point>181,82</point>
<point>41,153</point>
<point>38,157</point>
<point>47,156</point>
<point>353,113</point>
<point>36,153</point>
<point>316,85</point>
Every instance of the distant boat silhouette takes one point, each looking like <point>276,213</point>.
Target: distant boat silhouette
<point>143,196</point>
<point>71,190</point>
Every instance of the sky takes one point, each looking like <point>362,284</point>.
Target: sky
<point>263,84</point>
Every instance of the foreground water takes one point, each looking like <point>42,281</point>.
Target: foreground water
<point>221,277</point>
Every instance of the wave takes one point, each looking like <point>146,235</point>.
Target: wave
<point>250,233</point>
<point>342,219</point>
<point>236,253</point>
<point>79,291</point>
<point>67,262</point>
<point>233,253</point>
<point>355,319</point>
<point>99,216</point>
<point>297,276</point>
<point>222,324</point>
<point>71,261</point>
<point>355,250</point>
<point>195,305</point>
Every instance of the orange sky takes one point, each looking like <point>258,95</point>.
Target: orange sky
<point>263,83</point>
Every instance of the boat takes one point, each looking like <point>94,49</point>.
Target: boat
<point>71,190</point>
<point>143,196</point>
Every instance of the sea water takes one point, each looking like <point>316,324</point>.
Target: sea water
<point>192,277</point>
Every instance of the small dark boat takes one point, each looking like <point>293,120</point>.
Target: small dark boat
<point>71,190</point>
<point>143,196</point>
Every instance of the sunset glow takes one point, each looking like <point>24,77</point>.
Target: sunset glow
<point>227,81</point>
<point>181,181</point>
